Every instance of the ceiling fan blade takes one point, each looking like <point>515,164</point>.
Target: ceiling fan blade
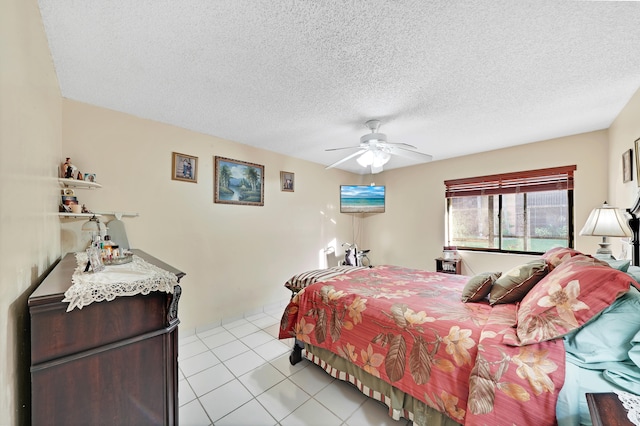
<point>400,145</point>
<point>349,157</point>
<point>414,155</point>
<point>346,147</point>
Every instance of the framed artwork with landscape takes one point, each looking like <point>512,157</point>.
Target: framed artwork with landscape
<point>184,167</point>
<point>238,182</point>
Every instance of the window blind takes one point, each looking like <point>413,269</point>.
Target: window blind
<point>554,178</point>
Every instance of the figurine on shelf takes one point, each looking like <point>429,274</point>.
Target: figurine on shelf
<point>68,169</point>
<point>80,175</point>
<point>64,167</point>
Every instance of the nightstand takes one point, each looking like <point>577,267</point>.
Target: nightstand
<point>448,266</point>
<point>607,410</point>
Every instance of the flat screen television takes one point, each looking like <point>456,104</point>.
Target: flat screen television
<point>362,198</point>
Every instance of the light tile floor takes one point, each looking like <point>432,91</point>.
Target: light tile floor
<point>239,374</point>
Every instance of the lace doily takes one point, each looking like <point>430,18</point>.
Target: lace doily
<point>631,403</point>
<point>136,277</point>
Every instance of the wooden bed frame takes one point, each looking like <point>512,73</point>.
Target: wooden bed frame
<point>634,223</point>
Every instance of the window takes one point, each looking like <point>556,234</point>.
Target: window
<point>522,212</point>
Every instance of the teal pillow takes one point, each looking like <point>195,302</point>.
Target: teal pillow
<point>620,265</point>
<point>607,338</point>
<point>634,271</point>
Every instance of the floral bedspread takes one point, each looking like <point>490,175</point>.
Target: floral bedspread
<point>409,328</point>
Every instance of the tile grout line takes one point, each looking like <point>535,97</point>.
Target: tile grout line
<point>236,377</point>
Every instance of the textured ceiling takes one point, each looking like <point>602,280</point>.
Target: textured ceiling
<point>298,77</point>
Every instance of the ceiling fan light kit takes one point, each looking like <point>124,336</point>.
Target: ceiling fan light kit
<point>374,157</point>
<point>374,151</point>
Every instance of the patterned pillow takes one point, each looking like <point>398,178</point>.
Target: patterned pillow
<point>512,286</point>
<point>568,297</point>
<point>478,287</point>
<point>557,255</point>
<point>304,279</point>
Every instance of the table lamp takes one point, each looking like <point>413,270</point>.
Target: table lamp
<point>606,221</point>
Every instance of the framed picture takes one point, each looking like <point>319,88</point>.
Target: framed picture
<point>91,177</point>
<point>286,181</point>
<point>238,182</point>
<point>94,260</point>
<point>69,200</point>
<point>637,146</point>
<point>184,167</point>
<point>627,176</point>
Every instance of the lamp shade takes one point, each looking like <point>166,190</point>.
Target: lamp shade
<point>607,221</point>
<point>375,158</point>
<point>380,158</point>
<point>94,227</point>
<point>366,159</point>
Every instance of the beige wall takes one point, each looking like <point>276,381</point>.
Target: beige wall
<point>30,120</point>
<point>623,132</point>
<point>236,257</point>
<point>411,231</point>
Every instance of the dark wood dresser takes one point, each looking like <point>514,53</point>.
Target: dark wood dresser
<point>109,363</point>
<point>606,409</point>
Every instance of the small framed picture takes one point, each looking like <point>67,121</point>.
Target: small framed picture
<point>184,167</point>
<point>637,147</point>
<point>286,181</point>
<point>90,177</point>
<point>238,182</point>
<point>69,200</point>
<point>94,260</point>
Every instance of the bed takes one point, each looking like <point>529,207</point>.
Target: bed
<point>522,348</point>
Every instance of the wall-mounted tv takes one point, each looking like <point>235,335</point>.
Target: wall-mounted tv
<point>362,198</point>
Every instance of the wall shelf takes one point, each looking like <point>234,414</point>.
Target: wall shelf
<point>85,184</point>
<point>78,215</point>
<point>74,183</point>
<point>118,215</point>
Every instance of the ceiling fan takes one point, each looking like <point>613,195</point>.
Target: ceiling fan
<point>375,151</point>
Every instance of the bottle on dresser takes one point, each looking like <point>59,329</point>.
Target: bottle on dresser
<point>107,248</point>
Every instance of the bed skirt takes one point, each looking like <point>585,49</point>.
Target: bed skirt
<point>400,404</point>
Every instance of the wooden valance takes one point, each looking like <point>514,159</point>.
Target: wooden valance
<point>550,179</point>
